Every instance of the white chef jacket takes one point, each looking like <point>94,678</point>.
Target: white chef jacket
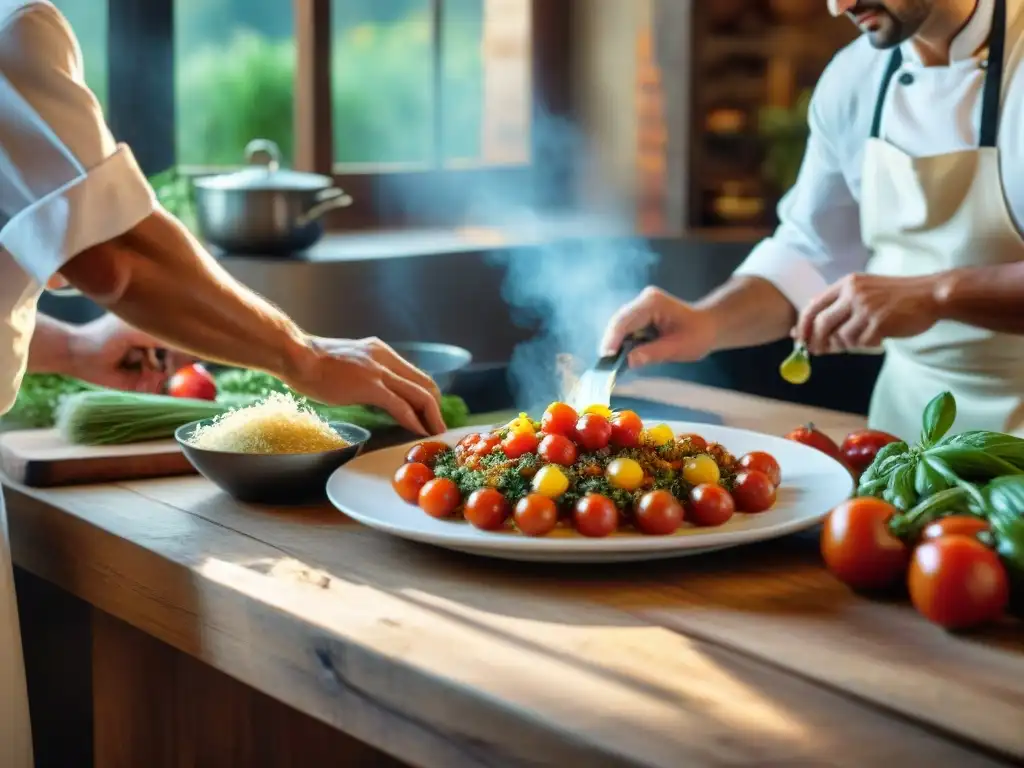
<point>929,110</point>
<point>65,184</point>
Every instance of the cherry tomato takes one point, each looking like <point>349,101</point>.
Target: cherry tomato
<point>626,429</point>
<point>558,449</point>
<point>426,452</point>
<point>764,463</point>
<point>957,582</point>
<point>624,473</point>
<point>515,446</point>
<point>697,443</point>
<point>409,479</point>
<point>550,481</point>
<point>954,525</point>
<point>559,419</point>
<point>536,515</point>
<point>753,491</point>
<point>593,432</point>
<point>808,435</point>
<point>487,509</point>
<point>659,513</point>
<point>440,497</point>
<point>192,381</point>
<point>485,445</point>
<point>859,548</point>
<point>701,469</point>
<point>711,505</point>
<point>660,435</point>
<point>860,447</point>
<point>468,441</point>
<point>595,516</point>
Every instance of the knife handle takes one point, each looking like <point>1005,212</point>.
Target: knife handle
<point>619,360</point>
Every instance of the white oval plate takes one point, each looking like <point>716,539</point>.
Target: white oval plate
<point>812,484</point>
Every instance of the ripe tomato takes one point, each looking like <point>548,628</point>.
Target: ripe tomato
<point>487,509</point>
<point>440,497</point>
<point>860,447</point>
<point>550,481</point>
<point>660,434</point>
<point>659,513</point>
<point>536,515</point>
<point>626,429</point>
<point>409,479</point>
<point>957,582</point>
<point>425,452</point>
<point>485,445</point>
<point>595,516</point>
<point>593,432</point>
<point>515,446</point>
<point>192,381</point>
<point>558,449</point>
<point>954,525</point>
<point>701,469</point>
<point>624,473</point>
<point>859,548</point>
<point>468,441</point>
<point>765,463</point>
<point>753,491</point>
<point>808,435</point>
<point>711,505</point>
<point>559,419</point>
<point>697,443</point>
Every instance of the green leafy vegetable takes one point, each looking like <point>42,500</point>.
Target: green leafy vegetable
<point>39,396</point>
<point>939,416</point>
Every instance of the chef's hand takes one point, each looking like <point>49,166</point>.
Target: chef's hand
<point>861,310</point>
<point>103,350</point>
<point>685,333</point>
<point>369,372</point>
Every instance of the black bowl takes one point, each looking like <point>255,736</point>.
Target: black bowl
<point>279,479</point>
<point>440,361</point>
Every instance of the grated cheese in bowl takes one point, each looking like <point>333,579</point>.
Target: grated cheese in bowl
<point>277,425</point>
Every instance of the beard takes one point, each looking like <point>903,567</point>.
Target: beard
<point>887,24</point>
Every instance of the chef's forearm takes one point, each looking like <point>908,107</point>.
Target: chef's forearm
<point>987,297</point>
<point>49,350</point>
<point>749,311</point>
<point>160,279</point>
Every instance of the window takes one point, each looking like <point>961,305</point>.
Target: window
<point>89,20</point>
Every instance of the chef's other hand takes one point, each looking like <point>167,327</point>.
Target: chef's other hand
<point>861,310</point>
<point>685,333</point>
<point>111,353</point>
<point>369,372</point>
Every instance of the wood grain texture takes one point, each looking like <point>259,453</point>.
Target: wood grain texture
<point>446,660</point>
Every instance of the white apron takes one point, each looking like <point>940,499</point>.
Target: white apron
<point>921,215</point>
<point>15,729</point>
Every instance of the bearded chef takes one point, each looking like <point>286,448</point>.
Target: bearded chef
<point>903,230</point>
<point>75,208</point>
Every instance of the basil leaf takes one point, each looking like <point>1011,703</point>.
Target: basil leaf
<point>928,482</point>
<point>938,418</point>
<point>885,452</point>
<point>973,463</point>
<point>1006,495</point>
<point>980,438</point>
<point>910,524</point>
<point>900,491</point>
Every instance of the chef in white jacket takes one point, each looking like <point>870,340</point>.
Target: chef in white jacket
<point>903,230</point>
<point>74,207</point>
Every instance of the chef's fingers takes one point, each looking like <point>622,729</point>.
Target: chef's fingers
<point>394,362</point>
<point>423,403</point>
<point>630,318</point>
<point>804,328</point>
<point>850,335</point>
<point>400,410</point>
<point>826,323</point>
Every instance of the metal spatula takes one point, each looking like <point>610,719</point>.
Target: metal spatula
<point>596,384</point>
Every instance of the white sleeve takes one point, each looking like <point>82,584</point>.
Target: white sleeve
<point>65,185</point>
<point>818,240</point>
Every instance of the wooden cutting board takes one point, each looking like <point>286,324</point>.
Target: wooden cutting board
<point>42,458</point>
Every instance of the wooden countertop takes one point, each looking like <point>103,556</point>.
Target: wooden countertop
<point>752,657</point>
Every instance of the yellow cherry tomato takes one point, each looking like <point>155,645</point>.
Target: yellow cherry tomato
<point>550,481</point>
<point>599,410</point>
<point>626,474</point>
<point>660,435</point>
<point>796,369</point>
<point>521,425</point>
<point>701,469</point>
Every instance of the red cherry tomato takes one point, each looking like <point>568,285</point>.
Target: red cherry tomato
<point>192,381</point>
<point>954,525</point>
<point>808,435</point>
<point>711,505</point>
<point>440,497</point>
<point>659,513</point>
<point>515,446</point>
<point>697,443</point>
<point>859,548</point>
<point>759,461</point>
<point>487,509</point>
<point>557,449</point>
<point>426,452</point>
<point>536,515</point>
<point>468,441</point>
<point>410,479</point>
<point>626,429</point>
<point>485,445</point>
<point>753,491</point>
<point>559,419</point>
<point>860,447</point>
<point>957,582</point>
<point>593,432</point>
<point>595,516</point>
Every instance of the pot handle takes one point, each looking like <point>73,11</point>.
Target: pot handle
<point>263,152</point>
<point>327,200</point>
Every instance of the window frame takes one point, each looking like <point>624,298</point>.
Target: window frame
<point>141,40</point>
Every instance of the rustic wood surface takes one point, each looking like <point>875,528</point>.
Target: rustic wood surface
<point>750,657</point>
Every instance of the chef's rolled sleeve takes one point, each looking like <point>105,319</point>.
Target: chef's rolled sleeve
<point>67,185</point>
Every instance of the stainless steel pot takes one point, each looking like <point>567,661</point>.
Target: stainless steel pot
<point>264,209</point>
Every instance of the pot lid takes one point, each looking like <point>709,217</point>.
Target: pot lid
<point>265,173</point>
